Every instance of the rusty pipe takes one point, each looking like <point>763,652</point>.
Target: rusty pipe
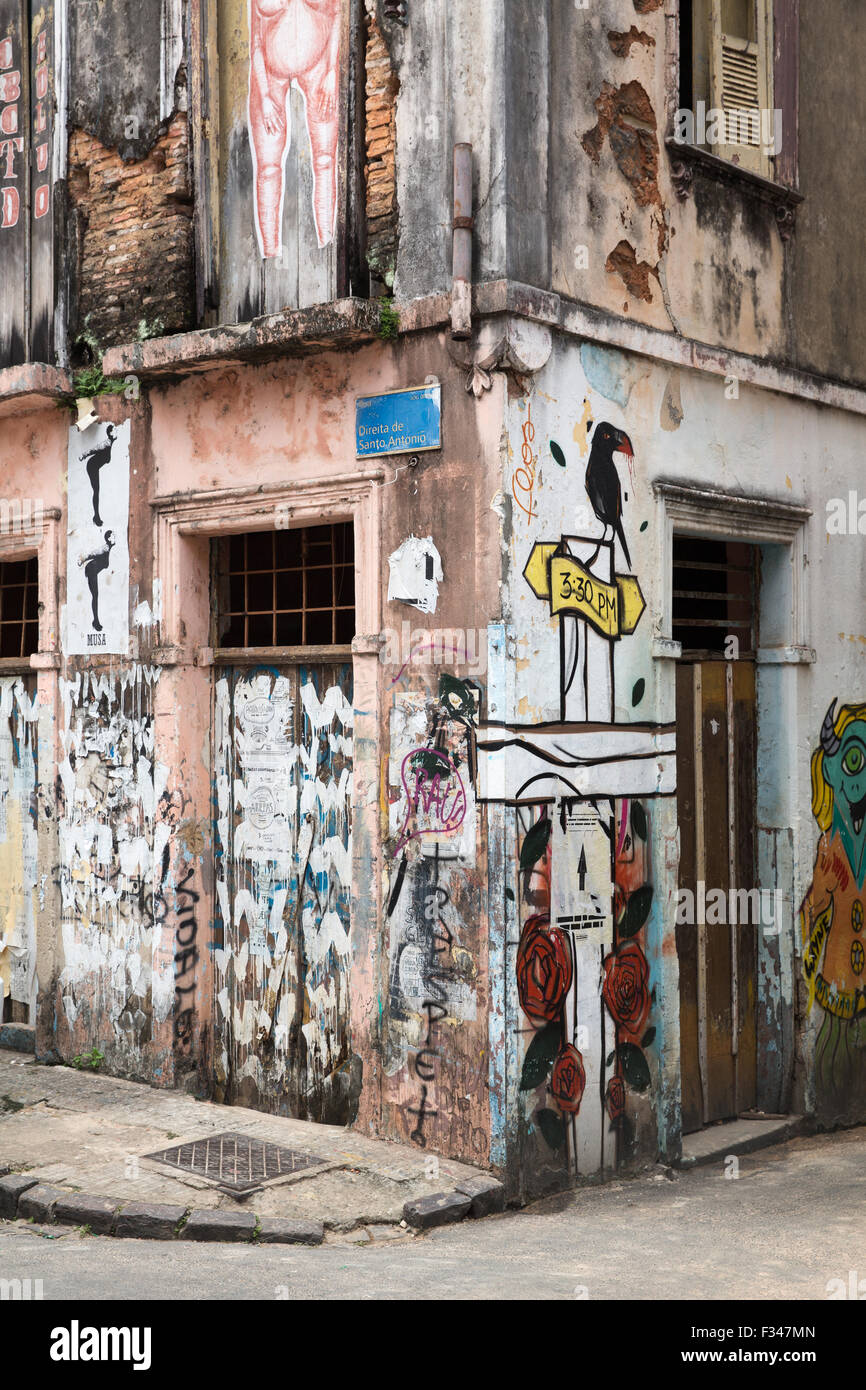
<point>461,264</point>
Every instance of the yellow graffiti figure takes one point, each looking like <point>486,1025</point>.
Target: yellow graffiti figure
<point>834,909</point>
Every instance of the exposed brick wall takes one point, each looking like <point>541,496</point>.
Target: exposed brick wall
<point>134,234</point>
<point>381,148</point>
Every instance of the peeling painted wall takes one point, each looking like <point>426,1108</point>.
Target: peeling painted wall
<point>112,837</point>
<point>283,749</point>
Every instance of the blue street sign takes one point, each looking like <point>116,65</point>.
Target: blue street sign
<point>399,422</point>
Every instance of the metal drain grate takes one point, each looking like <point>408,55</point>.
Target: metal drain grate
<point>235,1161</point>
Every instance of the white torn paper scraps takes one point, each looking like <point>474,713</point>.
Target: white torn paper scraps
<point>416,573</point>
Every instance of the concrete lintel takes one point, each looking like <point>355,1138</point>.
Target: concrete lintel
<point>32,386</point>
<point>293,332</point>
<point>346,322</point>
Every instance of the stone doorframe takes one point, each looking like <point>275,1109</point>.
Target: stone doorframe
<point>779,530</point>
<point>183,527</point>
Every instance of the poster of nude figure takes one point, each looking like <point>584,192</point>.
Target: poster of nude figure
<point>97,563</point>
<point>293,42</point>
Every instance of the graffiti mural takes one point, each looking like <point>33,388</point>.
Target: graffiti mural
<point>560,1056</point>
<point>580,785</point>
<point>293,42</point>
<point>436,1000</point>
<point>832,912</point>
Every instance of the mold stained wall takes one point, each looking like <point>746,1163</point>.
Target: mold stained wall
<point>295,421</point>
<point>710,267</point>
<point>760,445</point>
<point>450,61</point>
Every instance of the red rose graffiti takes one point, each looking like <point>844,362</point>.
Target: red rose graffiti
<point>626,988</point>
<point>615,1099</point>
<point>544,969</point>
<point>568,1080</point>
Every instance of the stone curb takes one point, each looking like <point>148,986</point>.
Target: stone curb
<point>440,1209</point>
<point>78,1209</point>
<point>26,1198</point>
<point>18,1037</point>
<point>149,1221</point>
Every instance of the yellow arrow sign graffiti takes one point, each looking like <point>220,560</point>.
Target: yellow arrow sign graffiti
<point>614,610</point>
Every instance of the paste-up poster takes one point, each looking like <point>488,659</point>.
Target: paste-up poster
<point>298,44</point>
<point>581,874</point>
<point>97,556</point>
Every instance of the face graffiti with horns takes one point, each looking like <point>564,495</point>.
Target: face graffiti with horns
<point>839,782</point>
<point>833,913</point>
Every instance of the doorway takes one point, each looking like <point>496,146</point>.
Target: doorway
<point>283,757</point>
<point>715,620</point>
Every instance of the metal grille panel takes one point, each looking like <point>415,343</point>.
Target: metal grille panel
<point>235,1161</point>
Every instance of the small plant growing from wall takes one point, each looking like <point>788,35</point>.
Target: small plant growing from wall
<point>89,380</point>
<point>89,1061</point>
<point>389,319</point>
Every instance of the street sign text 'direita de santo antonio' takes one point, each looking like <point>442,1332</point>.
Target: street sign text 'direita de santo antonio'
<point>399,422</point>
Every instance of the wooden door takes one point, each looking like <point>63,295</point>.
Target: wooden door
<point>283,757</point>
<point>717,941</point>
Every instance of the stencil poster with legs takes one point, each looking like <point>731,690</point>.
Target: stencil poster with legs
<point>97,566</point>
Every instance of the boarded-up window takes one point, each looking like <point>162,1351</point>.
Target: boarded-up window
<point>715,588</point>
<point>286,588</point>
<point>284,105</point>
<point>27,173</point>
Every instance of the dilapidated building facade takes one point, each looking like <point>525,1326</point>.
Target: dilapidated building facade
<point>431,440</point>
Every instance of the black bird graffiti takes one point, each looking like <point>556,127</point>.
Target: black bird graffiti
<point>602,479</point>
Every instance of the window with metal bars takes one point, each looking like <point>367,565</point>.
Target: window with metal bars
<point>291,588</point>
<point>715,588</point>
<point>19,608</point>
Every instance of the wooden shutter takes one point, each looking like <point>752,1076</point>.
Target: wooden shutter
<point>741,86</point>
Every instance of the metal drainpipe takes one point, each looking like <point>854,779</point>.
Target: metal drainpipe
<point>463,224</point>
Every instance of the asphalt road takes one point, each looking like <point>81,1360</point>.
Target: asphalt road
<point>791,1222</point>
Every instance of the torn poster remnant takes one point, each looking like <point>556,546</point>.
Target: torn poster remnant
<point>416,573</point>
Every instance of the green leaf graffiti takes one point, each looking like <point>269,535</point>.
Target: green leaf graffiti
<point>552,1127</point>
<point>558,455</point>
<point>540,1056</point>
<point>635,1070</point>
<point>636,912</point>
<point>535,844</point>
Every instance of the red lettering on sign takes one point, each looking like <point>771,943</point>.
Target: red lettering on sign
<point>42,80</point>
<point>10,85</point>
<point>42,46</point>
<point>39,123</point>
<point>7,152</point>
<point>41,200</point>
<point>11,207</point>
<point>42,157</point>
<point>5,53</point>
<point>9,120</point>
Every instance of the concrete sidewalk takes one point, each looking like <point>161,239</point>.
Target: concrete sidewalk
<point>70,1132</point>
